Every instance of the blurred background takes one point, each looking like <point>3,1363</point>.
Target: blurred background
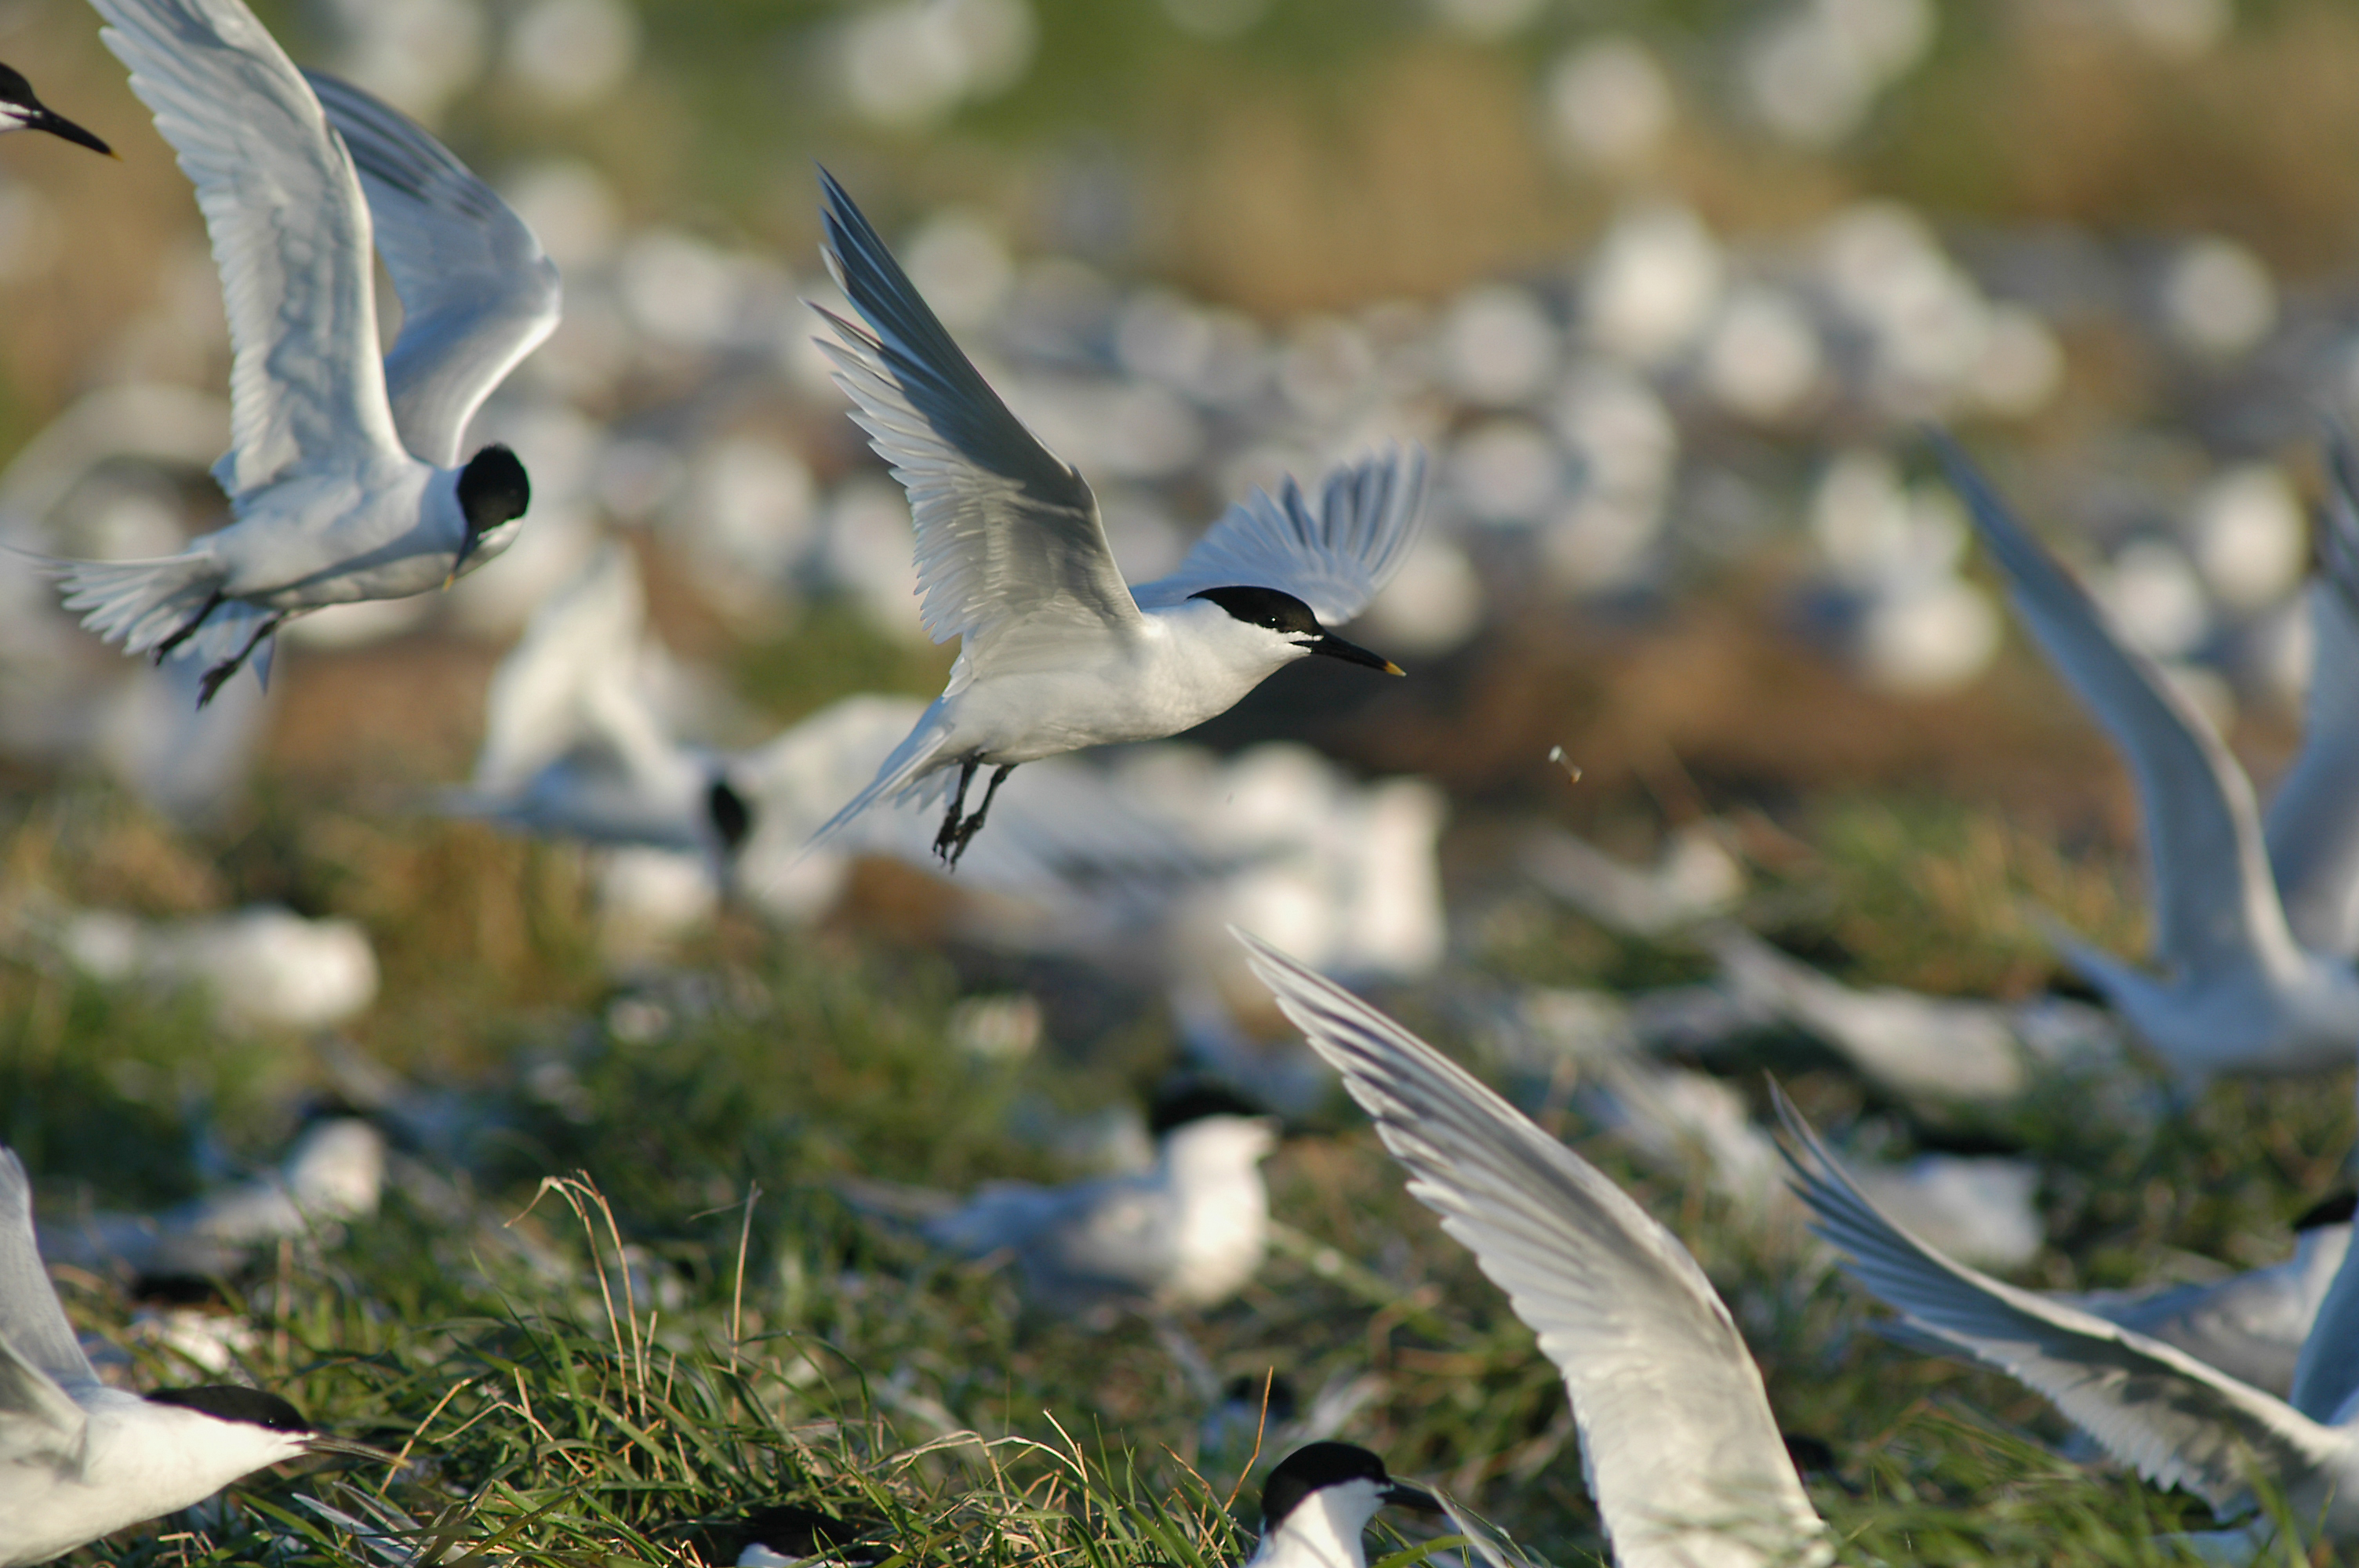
<point>1667,292</point>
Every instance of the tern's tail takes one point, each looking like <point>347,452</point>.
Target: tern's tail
<point>910,759</point>
<point>140,603</point>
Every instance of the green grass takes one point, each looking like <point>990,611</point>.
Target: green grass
<point>597,1338</point>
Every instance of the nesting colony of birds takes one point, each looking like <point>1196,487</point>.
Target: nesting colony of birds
<point>673,895</point>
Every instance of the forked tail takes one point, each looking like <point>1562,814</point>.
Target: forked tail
<point>141,604</point>
<point>901,771</point>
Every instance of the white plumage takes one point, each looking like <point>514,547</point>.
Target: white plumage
<point>1057,651</point>
<point>2176,1420</point>
<point>344,472</point>
<point>1682,1454</point>
<point>2258,961</point>
<point>77,1459</point>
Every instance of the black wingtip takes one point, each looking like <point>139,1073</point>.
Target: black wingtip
<point>842,216</point>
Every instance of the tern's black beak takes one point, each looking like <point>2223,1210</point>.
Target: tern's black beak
<point>58,125</point>
<point>1405,1497</point>
<point>1334,647</point>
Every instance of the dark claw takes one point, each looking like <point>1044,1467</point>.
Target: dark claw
<point>963,832</point>
<point>217,677</point>
<point>188,631</point>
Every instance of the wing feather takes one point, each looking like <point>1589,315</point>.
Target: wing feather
<point>1007,531</point>
<point>2175,1421</point>
<point>2313,822</point>
<point>2215,903</point>
<point>477,291</point>
<point>30,1318</point>
<point>289,227</point>
<point>1684,1457</point>
<point>1335,555</point>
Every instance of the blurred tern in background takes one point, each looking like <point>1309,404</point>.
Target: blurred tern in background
<point>2174,1419</point>
<point>77,1459</point>
<point>21,111</point>
<point>1317,1502</point>
<point>1189,1231</point>
<point>1981,1208</point>
<point>1926,1050</point>
<point>1694,879</point>
<point>784,1535</point>
<point>1057,651</point>
<point>344,471</point>
<point>334,1172</point>
<point>2255,931</point>
<point>1681,1452</point>
<point>573,744</point>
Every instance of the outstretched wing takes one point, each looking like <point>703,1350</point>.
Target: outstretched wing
<point>2215,903</point>
<point>1007,531</point>
<point>40,1358</point>
<point>30,1317</point>
<point>1684,1458</point>
<point>477,291</point>
<point>2313,822</point>
<point>1334,555</point>
<point>290,227</point>
<point>2175,1421</point>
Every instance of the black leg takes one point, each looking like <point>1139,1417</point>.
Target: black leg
<point>217,676</point>
<point>944,840</point>
<point>185,632</point>
<point>973,824</point>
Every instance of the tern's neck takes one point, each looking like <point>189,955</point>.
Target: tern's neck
<point>1214,1152</point>
<point>1322,1530</point>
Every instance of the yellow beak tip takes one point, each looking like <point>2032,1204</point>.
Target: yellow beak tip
<point>1393,669</point>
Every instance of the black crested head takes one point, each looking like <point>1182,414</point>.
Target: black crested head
<point>792,1532</point>
<point>1273,608</point>
<point>1181,1103</point>
<point>493,488</point>
<point>176,1291</point>
<point>228,1401</point>
<point>730,814</point>
<point>1313,1468</point>
<point>15,88</point>
<point>2335,1208</point>
<point>791,1529</point>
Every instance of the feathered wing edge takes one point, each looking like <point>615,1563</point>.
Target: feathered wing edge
<point>899,776</point>
<point>39,1357</point>
<point>2202,826</point>
<point>1746,1503</point>
<point>2124,1389</point>
<point>1336,556</point>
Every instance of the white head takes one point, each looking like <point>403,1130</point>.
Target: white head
<point>1280,629</point>
<point>1319,1499</point>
